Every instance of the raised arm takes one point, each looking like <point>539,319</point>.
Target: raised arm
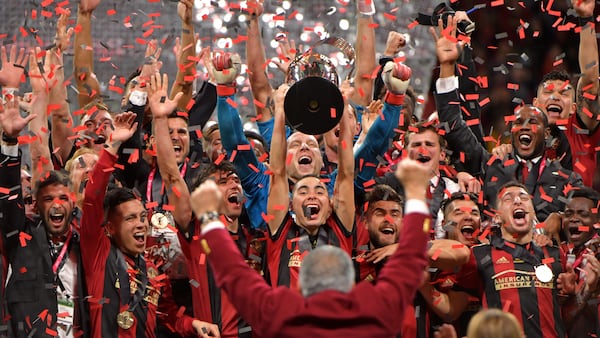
<point>175,186</point>
<point>365,54</point>
<point>12,69</point>
<point>186,63</point>
<point>230,123</point>
<point>279,191</point>
<point>12,213</point>
<point>40,83</point>
<point>587,86</point>
<point>130,154</point>
<point>257,61</point>
<point>62,122</point>
<point>83,59</point>
<point>92,231</point>
<point>396,77</point>
<point>343,191</point>
<point>459,136</point>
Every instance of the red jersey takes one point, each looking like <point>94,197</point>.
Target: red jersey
<point>291,243</point>
<point>108,272</point>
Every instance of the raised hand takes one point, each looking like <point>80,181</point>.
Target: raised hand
<point>88,6</point>
<point>152,65</point>
<point>184,10</point>
<point>584,8</point>
<point>62,39</point>
<point>287,53</point>
<point>395,42</point>
<point>13,67</point>
<point>396,77</point>
<point>255,8</point>
<point>370,115</point>
<point>414,177</point>
<point>158,97</point>
<point>226,67</point>
<point>38,73</point>
<point>279,97</point>
<point>124,127</point>
<point>11,121</point>
<point>207,197</point>
<point>447,45</point>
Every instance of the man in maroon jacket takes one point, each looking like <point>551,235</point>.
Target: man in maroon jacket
<point>330,304</point>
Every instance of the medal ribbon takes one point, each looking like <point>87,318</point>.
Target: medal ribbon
<point>151,178</point>
<point>124,281</point>
<point>59,260</point>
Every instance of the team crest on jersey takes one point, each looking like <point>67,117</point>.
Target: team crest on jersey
<point>502,260</point>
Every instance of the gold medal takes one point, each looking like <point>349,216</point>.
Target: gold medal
<point>159,220</point>
<point>125,320</point>
<point>543,273</point>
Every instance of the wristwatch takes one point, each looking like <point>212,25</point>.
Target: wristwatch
<point>208,217</point>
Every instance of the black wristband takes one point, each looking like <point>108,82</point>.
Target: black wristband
<point>9,139</point>
<point>586,20</point>
<point>385,59</point>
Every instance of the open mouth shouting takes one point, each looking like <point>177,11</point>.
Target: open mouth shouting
<point>520,217</point>
<point>387,230</point>
<point>56,217</point>
<point>525,142</point>
<point>423,158</point>
<point>140,239</point>
<point>467,232</point>
<point>305,163</point>
<point>304,160</point>
<point>235,198</point>
<point>99,138</point>
<point>311,211</point>
<point>554,111</point>
<point>177,149</point>
<point>574,231</point>
<point>525,139</point>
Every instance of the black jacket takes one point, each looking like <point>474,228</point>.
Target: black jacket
<point>547,189</point>
<point>32,287</point>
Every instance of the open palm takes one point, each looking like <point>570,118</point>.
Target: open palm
<point>11,120</point>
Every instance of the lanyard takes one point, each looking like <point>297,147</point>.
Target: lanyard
<point>57,263</point>
<point>151,178</point>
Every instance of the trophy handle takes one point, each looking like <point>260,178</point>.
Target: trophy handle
<point>344,47</point>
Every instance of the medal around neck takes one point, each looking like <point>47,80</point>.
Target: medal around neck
<point>125,320</point>
<point>159,220</point>
<point>543,273</point>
